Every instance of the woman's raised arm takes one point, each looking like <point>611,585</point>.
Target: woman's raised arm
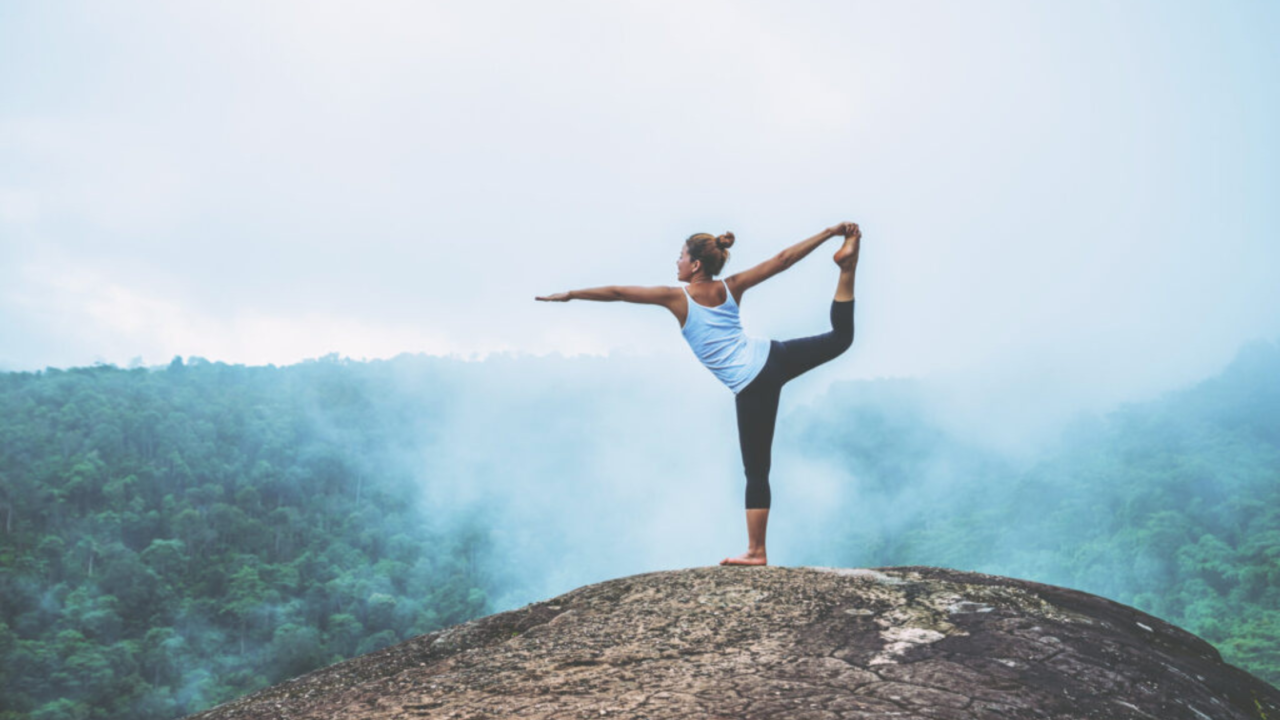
<point>793,254</point>
<point>784,259</point>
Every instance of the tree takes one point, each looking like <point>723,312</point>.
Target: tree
<point>245,599</point>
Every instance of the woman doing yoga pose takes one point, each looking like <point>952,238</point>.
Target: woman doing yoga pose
<point>755,369</point>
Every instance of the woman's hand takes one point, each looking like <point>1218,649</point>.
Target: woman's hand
<point>844,229</point>
<point>558,297</point>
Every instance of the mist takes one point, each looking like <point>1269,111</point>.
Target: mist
<point>585,469</point>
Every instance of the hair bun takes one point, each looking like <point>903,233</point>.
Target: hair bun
<point>725,241</point>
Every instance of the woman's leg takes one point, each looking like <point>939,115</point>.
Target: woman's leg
<point>757,406</point>
<point>801,355</point>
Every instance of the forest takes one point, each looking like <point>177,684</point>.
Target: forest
<point>176,537</point>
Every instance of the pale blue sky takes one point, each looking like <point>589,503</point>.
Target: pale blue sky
<point>1070,194</point>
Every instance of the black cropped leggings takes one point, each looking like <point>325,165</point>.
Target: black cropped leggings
<point>758,401</point>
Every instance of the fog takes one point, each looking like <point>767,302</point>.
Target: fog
<point>579,470</point>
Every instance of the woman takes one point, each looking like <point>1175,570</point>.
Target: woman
<point>755,369</point>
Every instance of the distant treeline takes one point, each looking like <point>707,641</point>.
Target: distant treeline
<point>172,539</point>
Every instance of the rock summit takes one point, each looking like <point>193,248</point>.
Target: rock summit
<point>788,642</point>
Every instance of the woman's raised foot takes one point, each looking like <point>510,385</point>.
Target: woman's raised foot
<point>847,256</point>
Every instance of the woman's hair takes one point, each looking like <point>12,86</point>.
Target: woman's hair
<point>712,250</point>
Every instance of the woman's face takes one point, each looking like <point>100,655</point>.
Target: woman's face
<point>684,266</point>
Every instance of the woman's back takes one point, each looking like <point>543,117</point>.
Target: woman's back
<point>716,336</point>
<point>709,294</point>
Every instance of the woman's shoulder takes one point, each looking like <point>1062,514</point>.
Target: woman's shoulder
<point>734,286</point>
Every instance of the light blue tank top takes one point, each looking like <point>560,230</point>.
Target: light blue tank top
<point>716,337</point>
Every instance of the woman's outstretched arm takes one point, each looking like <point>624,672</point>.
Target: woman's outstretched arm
<point>659,295</point>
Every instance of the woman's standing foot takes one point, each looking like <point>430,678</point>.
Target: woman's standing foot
<point>746,559</point>
<point>757,527</point>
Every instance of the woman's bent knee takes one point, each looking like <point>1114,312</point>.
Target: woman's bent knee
<point>846,340</point>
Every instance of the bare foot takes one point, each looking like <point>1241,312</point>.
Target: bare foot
<point>847,256</point>
<point>746,559</point>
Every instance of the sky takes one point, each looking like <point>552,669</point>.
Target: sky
<point>1068,195</point>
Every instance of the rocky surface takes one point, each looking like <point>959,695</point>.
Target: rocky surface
<point>780,642</point>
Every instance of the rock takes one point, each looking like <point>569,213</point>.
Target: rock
<point>779,642</point>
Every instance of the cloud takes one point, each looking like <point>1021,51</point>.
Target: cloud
<point>121,319</point>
